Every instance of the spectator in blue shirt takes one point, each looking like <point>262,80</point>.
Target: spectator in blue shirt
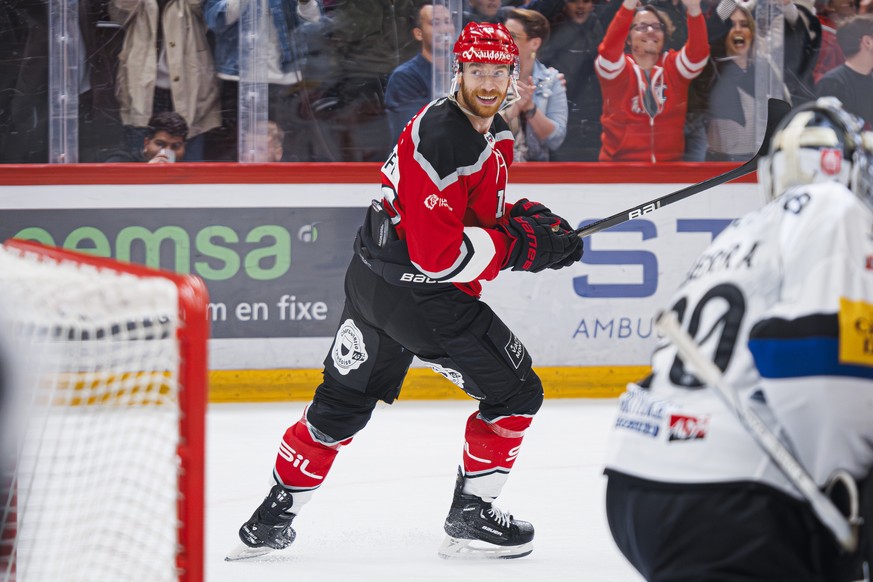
<point>410,86</point>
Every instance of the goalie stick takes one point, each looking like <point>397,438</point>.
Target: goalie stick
<point>846,533</point>
<point>776,110</point>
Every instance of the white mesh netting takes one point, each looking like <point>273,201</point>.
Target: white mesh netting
<point>91,491</point>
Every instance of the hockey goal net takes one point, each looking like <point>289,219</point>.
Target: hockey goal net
<point>104,372</point>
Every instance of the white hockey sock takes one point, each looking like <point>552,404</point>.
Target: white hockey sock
<point>487,487</point>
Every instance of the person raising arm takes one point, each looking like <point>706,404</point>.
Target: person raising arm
<point>645,93</point>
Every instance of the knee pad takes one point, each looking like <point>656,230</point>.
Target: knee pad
<point>526,401</point>
<point>339,413</point>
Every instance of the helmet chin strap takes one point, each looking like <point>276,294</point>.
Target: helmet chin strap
<point>510,101</point>
<point>461,107</point>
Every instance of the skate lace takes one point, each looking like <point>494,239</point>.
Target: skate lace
<point>503,518</point>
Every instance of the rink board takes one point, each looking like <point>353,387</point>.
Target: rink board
<point>272,243</point>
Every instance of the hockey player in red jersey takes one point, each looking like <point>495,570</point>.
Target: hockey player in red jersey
<point>781,303</point>
<point>441,227</point>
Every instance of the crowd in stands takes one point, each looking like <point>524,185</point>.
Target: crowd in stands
<point>608,80</point>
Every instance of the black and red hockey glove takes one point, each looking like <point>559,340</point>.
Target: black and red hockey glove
<point>525,207</point>
<point>539,243</point>
<point>561,246</point>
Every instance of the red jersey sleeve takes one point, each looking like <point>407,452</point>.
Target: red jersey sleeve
<point>447,184</point>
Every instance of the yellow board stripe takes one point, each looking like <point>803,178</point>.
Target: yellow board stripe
<point>420,383</point>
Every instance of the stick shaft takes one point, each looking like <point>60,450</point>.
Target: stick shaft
<point>776,110</point>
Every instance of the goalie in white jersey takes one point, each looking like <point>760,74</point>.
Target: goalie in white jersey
<point>782,303</point>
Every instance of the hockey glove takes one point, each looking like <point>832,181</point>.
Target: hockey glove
<point>525,207</point>
<point>540,243</point>
<point>573,255</point>
<point>539,211</point>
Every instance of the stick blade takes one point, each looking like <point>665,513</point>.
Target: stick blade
<point>777,109</point>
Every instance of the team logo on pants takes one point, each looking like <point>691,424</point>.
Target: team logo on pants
<point>452,376</point>
<point>515,350</point>
<point>349,351</point>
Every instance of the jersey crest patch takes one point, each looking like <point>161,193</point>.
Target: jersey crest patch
<point>433,201</point>
<point>349,350</point>
<point>856,332</point>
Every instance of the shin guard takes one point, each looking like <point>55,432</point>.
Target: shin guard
<point>305,457</point>
<point>490,450</point>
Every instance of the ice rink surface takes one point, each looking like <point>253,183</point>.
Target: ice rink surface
<point>379,515</point>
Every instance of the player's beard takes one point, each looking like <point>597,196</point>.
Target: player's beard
<point>470,102</point>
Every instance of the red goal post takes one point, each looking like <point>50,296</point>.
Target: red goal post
<point>127,370</point>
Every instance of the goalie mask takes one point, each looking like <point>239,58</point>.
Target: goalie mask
<point>483,42</point>
<point>819,142</point>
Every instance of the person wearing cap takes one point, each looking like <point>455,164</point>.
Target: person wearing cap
<point>441,227</point>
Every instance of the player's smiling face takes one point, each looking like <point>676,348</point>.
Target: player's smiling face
<point>483,88</point>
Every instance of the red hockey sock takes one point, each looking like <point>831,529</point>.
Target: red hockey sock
<point>303,462</point>
<point>492,446</point>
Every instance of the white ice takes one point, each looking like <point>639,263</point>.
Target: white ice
<point>379,515</point>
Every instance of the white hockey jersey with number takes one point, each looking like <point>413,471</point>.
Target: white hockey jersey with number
<point>782,302</point>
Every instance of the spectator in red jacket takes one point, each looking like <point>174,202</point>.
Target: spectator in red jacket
<point>645,93</point>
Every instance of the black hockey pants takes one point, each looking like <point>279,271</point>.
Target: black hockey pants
<point>725,532</point>
<point>383,326</point>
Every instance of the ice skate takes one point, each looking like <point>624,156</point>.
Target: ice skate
<point>475,529</point>
<point>269,527</point>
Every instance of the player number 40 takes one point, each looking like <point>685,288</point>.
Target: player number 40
<point>726,306</point>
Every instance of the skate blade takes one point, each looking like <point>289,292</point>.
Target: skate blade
<point>244,552</point>
<point>461,549</point>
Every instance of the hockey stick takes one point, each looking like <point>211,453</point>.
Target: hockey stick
<point>776,110</point>
<point>706,370</point>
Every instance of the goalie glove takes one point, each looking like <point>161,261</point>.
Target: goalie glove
<point>539,242</point>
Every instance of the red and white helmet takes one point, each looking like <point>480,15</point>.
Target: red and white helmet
<point>483,42</point>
